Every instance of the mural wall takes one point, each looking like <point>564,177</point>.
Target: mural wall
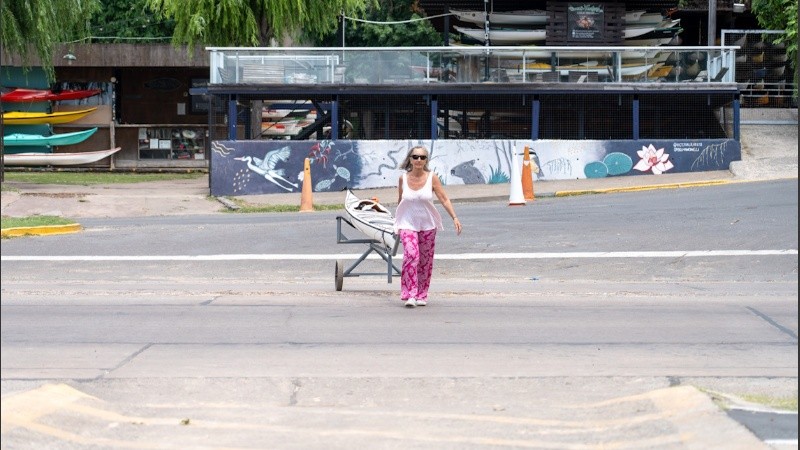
<point>264,167</point>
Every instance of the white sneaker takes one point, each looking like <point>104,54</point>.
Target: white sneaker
<point>410,303</point>
<point>421,302</point>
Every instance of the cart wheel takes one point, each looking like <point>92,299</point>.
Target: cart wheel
<point>339,275</point>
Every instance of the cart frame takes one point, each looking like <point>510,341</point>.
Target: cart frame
<point>372,246</point>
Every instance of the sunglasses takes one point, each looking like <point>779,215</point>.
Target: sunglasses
<point>422,157</point>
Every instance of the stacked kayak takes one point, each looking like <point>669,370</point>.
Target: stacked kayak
<point>39,118</point>
<point>37,140</point>
<point>20,95</point>
<point>37,148</point>
<point>56,159</point>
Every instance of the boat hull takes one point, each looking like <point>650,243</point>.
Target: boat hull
<point>42,95</point>
<point>37,140</point>
<point>371,218</point>
<point>536,17</point>
<point>527,17</point>
<point>56,159</point>
<point>40,118</point>
<point>505,36</point>
<point>626,70</point>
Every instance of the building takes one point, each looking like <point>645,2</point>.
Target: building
<point>144,106</point>
<point>595,91</point>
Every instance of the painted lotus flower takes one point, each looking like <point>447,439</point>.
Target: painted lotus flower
<point>653,160</point>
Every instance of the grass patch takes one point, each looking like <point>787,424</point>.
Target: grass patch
<point>724,400</point>
<point>785,403</point>
<point>246,208</point>
<point>88,178</point>
<point>33,221</point>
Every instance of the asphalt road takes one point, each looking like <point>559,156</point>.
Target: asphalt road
<point>620,320</point>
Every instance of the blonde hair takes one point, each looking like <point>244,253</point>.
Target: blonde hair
<point>406,164</point>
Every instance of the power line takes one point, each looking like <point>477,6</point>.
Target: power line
<point>121,38</point>
<point>396,22</point>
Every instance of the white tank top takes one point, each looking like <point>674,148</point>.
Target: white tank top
<point>416,210</point>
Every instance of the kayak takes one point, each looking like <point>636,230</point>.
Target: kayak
<point>56,159</point>
<point>38,118</point>
<point>31,140</point>
<point>20,95</point>
<point>371,218</point>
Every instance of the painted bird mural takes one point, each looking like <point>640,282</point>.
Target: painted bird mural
<point>267,167</point>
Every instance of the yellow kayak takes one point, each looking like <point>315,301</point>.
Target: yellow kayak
<point>37,118</point>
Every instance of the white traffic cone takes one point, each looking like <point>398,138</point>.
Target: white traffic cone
<point>516,197</point>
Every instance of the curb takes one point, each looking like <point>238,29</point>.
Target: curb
<point>41,231</point>
<point>642,188</point>
<point>227,203</point>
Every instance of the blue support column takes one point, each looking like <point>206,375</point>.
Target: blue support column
<point>536,108</point>
<point>434,113</point>
<point>635,117</point>
<point>233,113</point>
<point>335,118</point>
<point>736,118</point>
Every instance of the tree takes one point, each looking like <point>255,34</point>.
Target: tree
<point>780,15</point>
<point>252,22</point>
<point>392,33</point>
<point>35,27</point>
<point>123,20</point>
<point>29,27</point>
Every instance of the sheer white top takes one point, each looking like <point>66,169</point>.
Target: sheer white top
<point>416,210</point>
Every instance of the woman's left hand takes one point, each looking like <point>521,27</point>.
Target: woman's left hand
<point>457,224</point>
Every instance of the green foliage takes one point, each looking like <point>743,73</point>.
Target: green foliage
<point>34,27</point>
<point>129,19</point>
<point>251,22</point>
<point>411,34</point>
<point>247,208</point>
<point>89,178</point>
<point>780,15</point>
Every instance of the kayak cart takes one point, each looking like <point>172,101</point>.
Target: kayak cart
<point>376,222</point>
<point>373,245</point>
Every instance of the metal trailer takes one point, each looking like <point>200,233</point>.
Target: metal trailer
<point>373,245</point>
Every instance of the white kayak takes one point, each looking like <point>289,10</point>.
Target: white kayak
<point>56,159</point>
<point>371,218</point>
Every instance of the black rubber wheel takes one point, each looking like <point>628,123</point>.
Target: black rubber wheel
<point>339,275</point>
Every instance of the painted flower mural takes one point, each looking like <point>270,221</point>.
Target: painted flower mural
<point>653,160</point>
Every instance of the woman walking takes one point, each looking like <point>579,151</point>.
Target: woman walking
<point>416,221</point>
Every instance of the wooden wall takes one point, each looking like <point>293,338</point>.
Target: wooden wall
<point>153,96</point>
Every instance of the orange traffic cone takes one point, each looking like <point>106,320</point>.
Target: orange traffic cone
<point>516,197</point>
<point>306,201</point>
<point>527,176</point>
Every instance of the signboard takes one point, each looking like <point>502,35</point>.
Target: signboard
<point>585,21</point>
<point>199,104</point>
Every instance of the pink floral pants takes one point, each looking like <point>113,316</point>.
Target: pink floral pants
<point>418,248</point>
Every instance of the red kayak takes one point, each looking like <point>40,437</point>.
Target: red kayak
<point>40,95</point>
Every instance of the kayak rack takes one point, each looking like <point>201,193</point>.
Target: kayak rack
<point>373,245</point>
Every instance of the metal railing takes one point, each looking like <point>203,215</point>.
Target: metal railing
<point>470,64</point>
<point>764,72</point>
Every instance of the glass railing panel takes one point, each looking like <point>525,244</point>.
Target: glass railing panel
<point>410,65</point>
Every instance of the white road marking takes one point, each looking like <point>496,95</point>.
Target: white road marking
<point>781,442</point>
<point>453,256</point>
